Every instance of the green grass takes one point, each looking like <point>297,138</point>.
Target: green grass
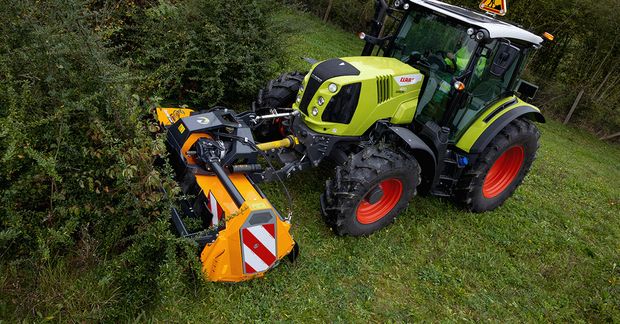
<point>551,253</point>
<point>308,36</point>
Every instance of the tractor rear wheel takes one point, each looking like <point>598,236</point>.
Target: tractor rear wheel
<point>279,93</point>
<point>369,190</point>
<point>500,169</point>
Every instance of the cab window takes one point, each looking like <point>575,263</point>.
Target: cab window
<point>439,47</point>
<point>484,88</point>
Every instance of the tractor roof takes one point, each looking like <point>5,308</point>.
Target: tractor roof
<point>496,28</point>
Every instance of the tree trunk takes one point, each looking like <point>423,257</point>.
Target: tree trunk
<point>572,109</point>
<point>329,8</point>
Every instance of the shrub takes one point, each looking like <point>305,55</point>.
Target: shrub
<point>201,52</point>
<point>78,190</point>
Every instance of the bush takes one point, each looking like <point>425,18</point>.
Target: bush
<point>201,52</point>
<point>79,193</point>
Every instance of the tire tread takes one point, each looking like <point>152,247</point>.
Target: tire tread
<point>352,179</point>
<point>467,187</point>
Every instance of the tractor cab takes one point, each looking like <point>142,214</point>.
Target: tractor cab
<point>469,60</point>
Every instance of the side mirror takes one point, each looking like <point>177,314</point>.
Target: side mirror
<point>375,40</point>
<point>504,57</point>
<point>527,90</point>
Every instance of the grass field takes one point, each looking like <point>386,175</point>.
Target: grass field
<point>551,253</point>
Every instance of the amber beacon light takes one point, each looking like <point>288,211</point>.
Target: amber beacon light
<point>548,36</point>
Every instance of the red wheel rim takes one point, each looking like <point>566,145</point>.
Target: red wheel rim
<point>503,172</point>
<point>368,213</point>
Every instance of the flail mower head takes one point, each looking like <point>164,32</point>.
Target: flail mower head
<point>241,234</point>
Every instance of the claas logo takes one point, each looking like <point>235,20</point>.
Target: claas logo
<point>409,79</point>
<point>498,7</point>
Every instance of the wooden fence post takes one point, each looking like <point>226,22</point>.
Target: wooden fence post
<point>329,8</point>
<point>572,109</point>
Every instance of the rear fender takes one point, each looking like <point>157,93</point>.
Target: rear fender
<point>487,126</point>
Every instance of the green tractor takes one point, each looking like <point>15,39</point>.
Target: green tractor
<point>440,112</point>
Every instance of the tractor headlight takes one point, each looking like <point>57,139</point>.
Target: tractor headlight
<point>470,31</point>
<point>298,98</point>
<point>320,101</point>
<point>301,88</point>
<point>479,36</point>
<point>332,88</point>
<point>315,111</point>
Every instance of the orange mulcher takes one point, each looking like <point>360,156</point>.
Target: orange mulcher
<point>214,157</point>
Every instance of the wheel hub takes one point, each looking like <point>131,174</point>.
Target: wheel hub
<point>503,172</point>
<point>385,196</point>
<point>375,195</point>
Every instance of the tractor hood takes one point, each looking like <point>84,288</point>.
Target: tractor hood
<point>346,96</point>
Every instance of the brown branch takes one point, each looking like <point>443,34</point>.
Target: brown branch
<point>602,83</point>
<point>611,86</point>
<point>329,8</point>
<point>610,136</point>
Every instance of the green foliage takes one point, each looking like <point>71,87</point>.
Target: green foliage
<point>78,188</point>
<point>200,52</point>
<point>352,15</point>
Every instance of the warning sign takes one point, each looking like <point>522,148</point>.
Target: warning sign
<point>498,7</point>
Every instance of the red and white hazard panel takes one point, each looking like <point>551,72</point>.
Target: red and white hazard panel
<point>259,247</point>
<point>215,209</point>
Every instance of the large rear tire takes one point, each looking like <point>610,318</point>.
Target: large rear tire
<point>500,169</point>
<point>369,191</point>
<point>279,93</point>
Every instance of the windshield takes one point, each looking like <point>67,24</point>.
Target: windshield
<point>434,40</point>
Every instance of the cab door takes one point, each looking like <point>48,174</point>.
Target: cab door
<point>441,48</point>
<point>489,83</point>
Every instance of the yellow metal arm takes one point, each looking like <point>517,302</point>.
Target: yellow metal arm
<point>289,141</point>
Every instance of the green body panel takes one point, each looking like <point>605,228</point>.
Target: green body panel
<point>405,112</point>
<point>477,128</point>
<point>399,83</point>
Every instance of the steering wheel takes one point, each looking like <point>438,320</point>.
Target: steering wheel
<point>435,59</point>
<point>413,57</point>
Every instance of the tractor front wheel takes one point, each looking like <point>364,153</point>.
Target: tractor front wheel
<point>369,191</point>
<point>500,168</point>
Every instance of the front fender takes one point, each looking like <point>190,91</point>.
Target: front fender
<point>417,147</point>
<point>487,126</point>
